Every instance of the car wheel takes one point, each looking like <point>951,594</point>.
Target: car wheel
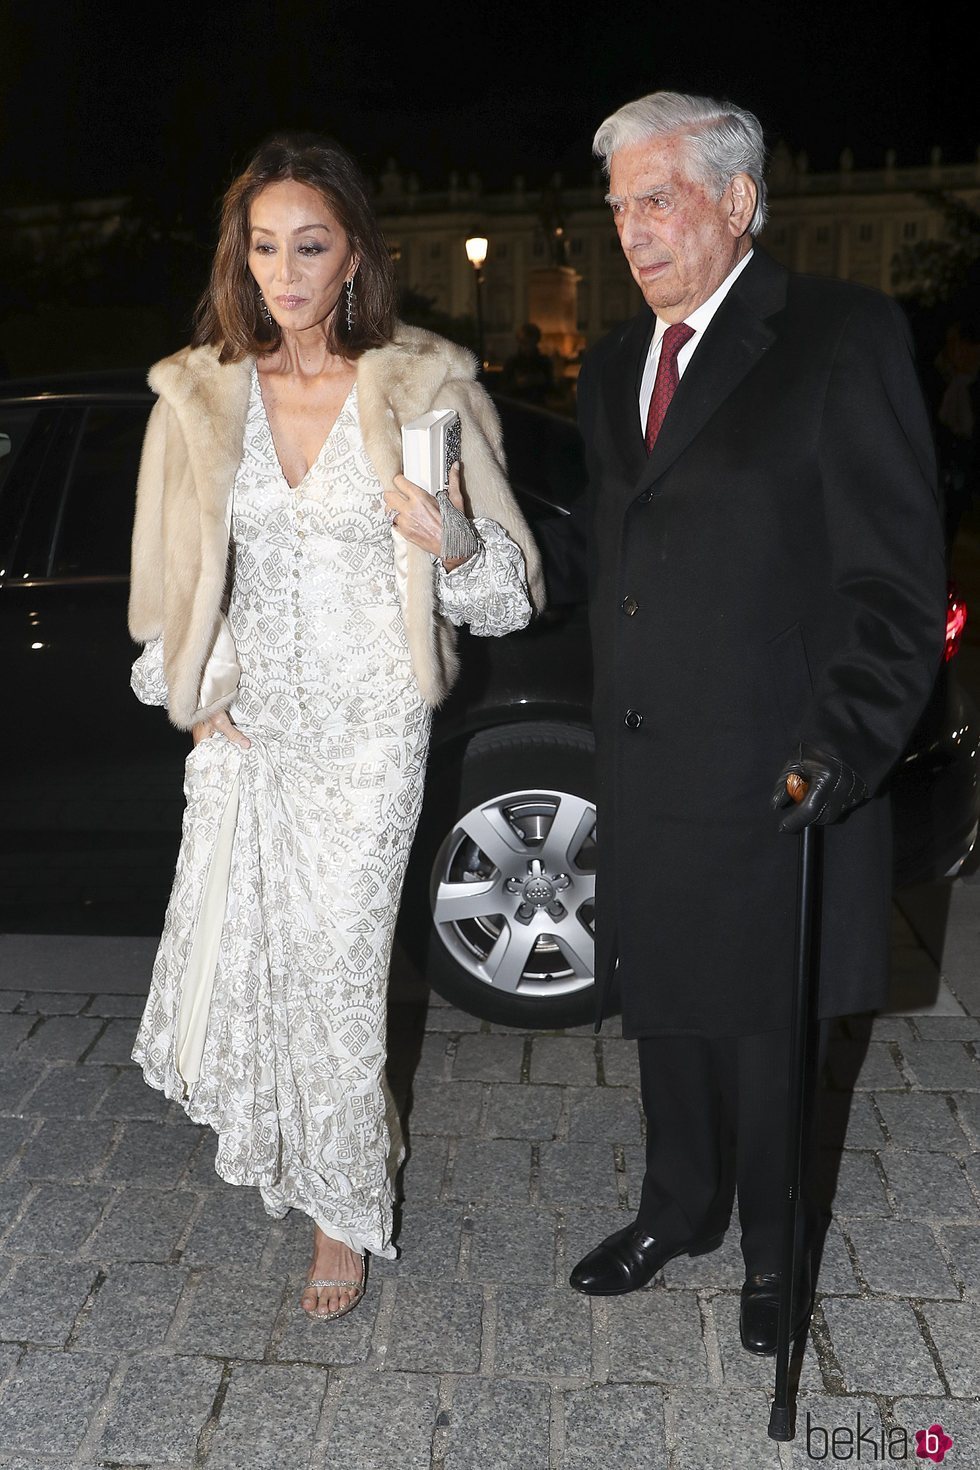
<point>506,851</point>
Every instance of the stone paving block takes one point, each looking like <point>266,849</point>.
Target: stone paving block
<point>162,1407</point>
<point>489,1058</point>
<point>506,1425</point>
<point>847,1119</point>
<point>345,1340</point>
<point>71,1149</point>
<point>268,1417</point>
<point>115,1045</point>
<point>900,1258</point>
<point>428,1241</point>
<point>232,1226</point>
<point>968,1109</point>
<point>50,1401</point>
<point>609,1114</point>
<point>447,1018</point>
<point>41,1299</point>
<point>569,1060</point>
<point>721,1268</point>
<point>129,1097</point>
<point>436,1328</point>
<point>571,1172</point>
<point>61,1218</point>
<point>544,1332</point>
<point>230,1315</point>
<point>12,1197</point>
<point>928,1185</point>
<point>445,1107</point>
<point>523,1111</point>
<point>620,1063</point>
<point>857,1421</point>
<point>151,1153</point>
<point>133,1308</point>
<point>859,1190</point>
<point>17,1078</point>
<point>10,999</point>
<point>116,1005</point>
<point>614,1425</point>
<point>512,1244</point>
<point>425,1168</point>
<point>51,1003</point>
<point>943,1066</point>
<point>202,1174</point>
<point>955,1329</point>
<point>62,1038</point>
<point>491,1168</point>
<point>920,1120</point>
<point>835,1275</point>
<point>383,1422</point>
<point>879,1347</point>
<point>655,1336</point>
<point>849,1065</point>
<point>948,1028</point>
<point>69,1091</point>
<point>726,1431</point>
<point>142,1225</point>
<point>13,1031</point>
<point>583,1229</point>
<point>960,1418</point>
<point>962,1244</point>
<point>14,1132</point>
<point>973,1171</point>
<point>434,1059</point>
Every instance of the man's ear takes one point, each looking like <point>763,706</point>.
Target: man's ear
<point>744,196</point>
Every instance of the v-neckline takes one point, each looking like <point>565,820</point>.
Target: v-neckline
<point>272,438</point>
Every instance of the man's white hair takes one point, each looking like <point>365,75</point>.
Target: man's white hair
<point>723,140</point>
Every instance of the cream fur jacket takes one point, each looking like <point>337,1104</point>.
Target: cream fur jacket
<point>191,454</point>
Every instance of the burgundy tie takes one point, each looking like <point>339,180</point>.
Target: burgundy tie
<point>667,379</point>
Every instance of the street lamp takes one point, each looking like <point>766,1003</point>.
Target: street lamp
<point>476,254</point>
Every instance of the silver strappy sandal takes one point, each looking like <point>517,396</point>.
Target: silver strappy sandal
<point>349,1286</point>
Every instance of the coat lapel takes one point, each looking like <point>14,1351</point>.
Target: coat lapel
<point>621,389</point>
<point>736,339</point>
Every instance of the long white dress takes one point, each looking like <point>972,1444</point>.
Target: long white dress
<point>266,1013</point>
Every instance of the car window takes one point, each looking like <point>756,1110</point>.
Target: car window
<point>95,523</point>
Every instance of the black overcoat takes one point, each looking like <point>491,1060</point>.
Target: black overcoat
<point>774,572</point>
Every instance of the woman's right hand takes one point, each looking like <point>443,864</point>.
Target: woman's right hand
<point>220,723</point>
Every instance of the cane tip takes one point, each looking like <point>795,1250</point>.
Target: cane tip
<point>796,787</point>
<point>780,1426</point>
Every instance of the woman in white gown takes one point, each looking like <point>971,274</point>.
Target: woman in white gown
<point>296,601</point>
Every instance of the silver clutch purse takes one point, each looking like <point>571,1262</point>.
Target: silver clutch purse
<point>430,446</point>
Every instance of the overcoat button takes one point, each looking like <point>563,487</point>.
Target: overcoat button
<point>630,606</point>
<point>633,719</point>
<point>646,497</point>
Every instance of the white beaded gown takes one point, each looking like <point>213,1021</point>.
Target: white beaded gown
<point>293,852</point>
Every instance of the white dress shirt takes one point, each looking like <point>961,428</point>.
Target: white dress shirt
<point>698,319</point>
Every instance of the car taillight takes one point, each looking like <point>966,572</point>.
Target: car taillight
<point>955,622</point>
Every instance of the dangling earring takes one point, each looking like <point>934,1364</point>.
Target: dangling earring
<point>264,309</point>
<point>350,304</point>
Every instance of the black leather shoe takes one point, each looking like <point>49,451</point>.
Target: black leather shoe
<point>759,1315</point>
<point>629,1259</point>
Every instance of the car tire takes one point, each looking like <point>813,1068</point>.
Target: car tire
<point>498,905</point>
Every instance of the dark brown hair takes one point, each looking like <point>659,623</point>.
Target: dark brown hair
<point>229,316</point>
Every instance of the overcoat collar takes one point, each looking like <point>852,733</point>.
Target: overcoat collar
<point>739,334</point>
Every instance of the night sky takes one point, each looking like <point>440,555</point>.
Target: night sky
<point>174,97</point>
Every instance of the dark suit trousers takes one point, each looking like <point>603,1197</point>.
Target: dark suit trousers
<point>716,1111</point>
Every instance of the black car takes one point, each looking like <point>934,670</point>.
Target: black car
<point>498,904</point>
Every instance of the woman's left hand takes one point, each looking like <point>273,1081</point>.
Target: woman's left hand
<point>417,516</point>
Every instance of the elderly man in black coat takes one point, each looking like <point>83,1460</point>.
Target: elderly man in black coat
<point>767,595</point>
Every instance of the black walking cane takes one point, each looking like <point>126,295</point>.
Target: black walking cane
<point>805,977</point>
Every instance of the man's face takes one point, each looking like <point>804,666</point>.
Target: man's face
<point>681,242</point>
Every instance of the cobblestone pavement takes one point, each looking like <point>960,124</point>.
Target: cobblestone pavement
<point>148,1311</point>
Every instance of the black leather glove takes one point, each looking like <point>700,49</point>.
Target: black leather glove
<point>833,789</point>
